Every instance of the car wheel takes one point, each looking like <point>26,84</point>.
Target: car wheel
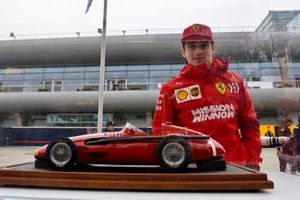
<point>61,153</point>
<point>218,164</point>
<point>173,153</point>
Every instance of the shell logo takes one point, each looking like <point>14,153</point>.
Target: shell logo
<point>187,93</point>
<point>182,95</point>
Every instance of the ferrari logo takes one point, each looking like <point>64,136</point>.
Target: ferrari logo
<point>196,28</point>
<point>221,87</point>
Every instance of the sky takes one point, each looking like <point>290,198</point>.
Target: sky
<point>62,16</point>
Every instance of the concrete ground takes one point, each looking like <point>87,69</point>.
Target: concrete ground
<point>16,154</point>
<point>13,155</point>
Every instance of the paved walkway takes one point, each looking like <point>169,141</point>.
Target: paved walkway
<point>12,154</point>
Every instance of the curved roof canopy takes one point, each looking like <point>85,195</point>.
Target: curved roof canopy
<point>142,49</point>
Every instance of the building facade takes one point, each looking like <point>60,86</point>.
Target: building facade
<point>54,81</point>
<point>278,21</point>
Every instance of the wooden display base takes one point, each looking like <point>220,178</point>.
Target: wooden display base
<point>135,178</point>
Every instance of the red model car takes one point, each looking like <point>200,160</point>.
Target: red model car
<point>174,148</point>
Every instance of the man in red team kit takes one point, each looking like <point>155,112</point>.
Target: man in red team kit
<point>208,98</point>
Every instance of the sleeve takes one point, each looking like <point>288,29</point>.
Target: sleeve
<point>249,127</point>
<point>164,108</point>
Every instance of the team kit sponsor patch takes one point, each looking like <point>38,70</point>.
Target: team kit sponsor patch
<point>221,87</point>
<point>234,87</point>
<point>158,103</point>
<point>212,112</point>
<point>188,93</point>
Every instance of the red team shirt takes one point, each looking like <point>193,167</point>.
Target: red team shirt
<point>216,103</point>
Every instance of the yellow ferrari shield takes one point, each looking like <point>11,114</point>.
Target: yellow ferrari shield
<point>196,28</point>
<point>221,87</point>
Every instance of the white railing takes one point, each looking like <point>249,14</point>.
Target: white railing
<point>16,36</point>
<point>79,87</point>
<point>128,86</point>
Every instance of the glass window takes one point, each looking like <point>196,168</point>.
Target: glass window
<point>176,66</point>
<point>176,69</point>
<point>137,80</point>
<point>73,82</point>
<point>160,67</point>
<point>74,75</point>
<point>160,73</point>
<point>115,68</point>
<point>91,82</point>
<point>92,69</point>
<point>14,70</point>
<point>155,86</point>
<point>115,75</point>
<point>35,76</point>
<point>269,69</point>
<point>13,83</point>
<point>137,84</point>
<point>53,76</point>
<point>159,80</point>
<point>234,67</point>
<point>54,69</point>
<point>72,85</point>
<point>91,75</point>
<point>32,83</point>
<point>137,74</point>
<point>294,68</point>
<point>74,69</point>
<point>247,69</point>
<point>31,86</point>
<point>137,67</point>
<point>15,77</point>
<point>174,73</point>
<point>34,70</point>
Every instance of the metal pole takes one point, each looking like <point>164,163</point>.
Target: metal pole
<point>102,69</point>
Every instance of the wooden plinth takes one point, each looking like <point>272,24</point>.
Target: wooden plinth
<point>135,178</point>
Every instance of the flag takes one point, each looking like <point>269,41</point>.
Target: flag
<point>88,5</point>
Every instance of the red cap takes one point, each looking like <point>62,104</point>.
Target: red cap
<point>196,32</point>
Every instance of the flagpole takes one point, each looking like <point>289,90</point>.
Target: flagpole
<point>102,69</point>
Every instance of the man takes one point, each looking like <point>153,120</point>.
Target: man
<point>208,98</point>
<point>109,127</point>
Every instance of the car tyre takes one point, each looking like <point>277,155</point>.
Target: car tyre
<point>173,153</point>
<point>61,153</point>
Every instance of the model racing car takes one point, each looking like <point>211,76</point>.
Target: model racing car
<point>173,148</point>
